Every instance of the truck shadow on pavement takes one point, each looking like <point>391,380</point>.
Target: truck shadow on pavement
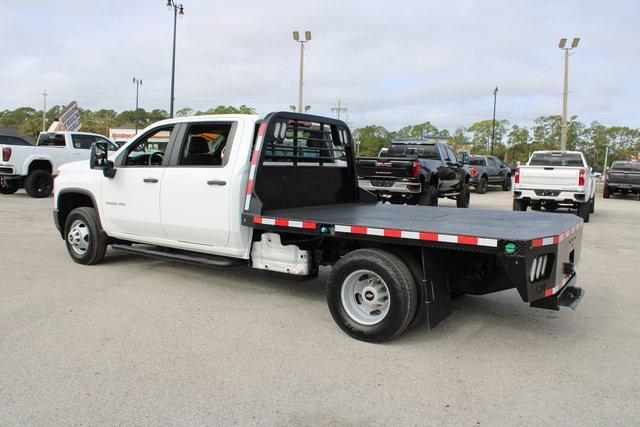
<point>499,313</point>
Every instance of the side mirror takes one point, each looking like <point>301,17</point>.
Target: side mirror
<point>99,159</point>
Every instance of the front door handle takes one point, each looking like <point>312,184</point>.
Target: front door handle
<point>216,182</point>
<point>151,180</point>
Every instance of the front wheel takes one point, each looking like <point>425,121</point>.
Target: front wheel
<point>9,186</point>
<point>372,295</point>
<point>464,197</point>
<point>86,241</point>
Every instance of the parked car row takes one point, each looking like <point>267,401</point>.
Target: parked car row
<point>34,167</point>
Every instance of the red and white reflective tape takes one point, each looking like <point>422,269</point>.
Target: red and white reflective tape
<point>280,222</point>
<point>255,157</point>
<point>554,240</point>
<point>556,288</point>
<point>417,235</point>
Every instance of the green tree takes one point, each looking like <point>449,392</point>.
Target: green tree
<point>371,139</point>
<point>481,133</point>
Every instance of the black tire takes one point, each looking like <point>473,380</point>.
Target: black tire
<point>506,184</point>
<point>464,198</point>
<point>483,185</point>
<point>9,186</point>
<point>592,205</point>
<point>606,193</point>
<point>519,205</point>
<point>39,184</point>
<point>429,197</point>
<point>536,207</point>
<point>584,210</point>
<point>96,238</point>
<point>415,266</point>
<point>402,294</point>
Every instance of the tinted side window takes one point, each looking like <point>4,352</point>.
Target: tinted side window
<point>51,139</point>
<point>452,156</point>
<point>477,161</point>
<point>82,142</point>
<point>206,144</point>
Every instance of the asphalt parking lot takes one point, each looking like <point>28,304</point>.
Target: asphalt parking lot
<point>140,341</point>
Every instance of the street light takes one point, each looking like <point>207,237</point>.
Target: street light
<point>493,128</point>
<point>296,37</point>
<point>178,9</point>
<point>562,45</point>
<point>138,83</point>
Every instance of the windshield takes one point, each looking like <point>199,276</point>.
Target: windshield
<point>425,151</point>
<point>626,166</point>
<point>556,159</point>
<point>477,161</point>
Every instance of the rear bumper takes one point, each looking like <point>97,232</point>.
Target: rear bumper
<point>622,186</point>
<point>569,295</point>
<point>559,196</point>
<point>396,187</point>
<point>7,170</point>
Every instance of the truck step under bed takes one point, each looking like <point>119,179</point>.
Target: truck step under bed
<point>476,229</point>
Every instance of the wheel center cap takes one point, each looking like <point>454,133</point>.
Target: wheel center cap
<point>369,295</point>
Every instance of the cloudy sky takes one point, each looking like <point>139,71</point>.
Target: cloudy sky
<point>391,62</point>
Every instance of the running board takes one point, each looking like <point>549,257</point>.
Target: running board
<point>181,256</point>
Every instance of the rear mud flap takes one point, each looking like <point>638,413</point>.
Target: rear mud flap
<point>437,296</point>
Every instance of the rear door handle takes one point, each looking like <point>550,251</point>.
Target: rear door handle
<point>151,180</point>
<point>216,182</point>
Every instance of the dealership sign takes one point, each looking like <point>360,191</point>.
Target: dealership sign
<point>71,117</point>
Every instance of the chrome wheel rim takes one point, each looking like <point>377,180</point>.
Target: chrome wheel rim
<point>78,237</point>
<point>365,297</point>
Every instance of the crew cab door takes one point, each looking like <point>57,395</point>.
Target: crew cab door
<point>131,199</point>
<point>451,171</point>
<point>495,170</point>
<point>196,187</point>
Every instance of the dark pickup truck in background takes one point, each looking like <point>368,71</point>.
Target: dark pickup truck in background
<point>623,177</point>
<point>488,170</point>
<point>416,172</point>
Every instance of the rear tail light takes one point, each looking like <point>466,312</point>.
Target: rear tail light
<point>415,172</point>
<point>473,171</point>
<point>517,176</point>
<point>581,178</point>
<point>538,268</point>
<point>6,154</point>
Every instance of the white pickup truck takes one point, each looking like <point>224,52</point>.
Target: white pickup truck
<point>34,167</point>
<point>553,179</point>
<point>281,194</point>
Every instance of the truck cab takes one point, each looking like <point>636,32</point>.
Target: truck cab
<point>281,194</point>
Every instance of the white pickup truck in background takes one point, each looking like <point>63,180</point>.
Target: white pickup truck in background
<point>33,167</point>
<point>553,179</point>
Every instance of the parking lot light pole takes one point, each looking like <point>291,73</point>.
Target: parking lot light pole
<point>493,128</point>
<point>138,83</point>
<point>178,9</point>
<point>296,37</point>
<point>562,45</point>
